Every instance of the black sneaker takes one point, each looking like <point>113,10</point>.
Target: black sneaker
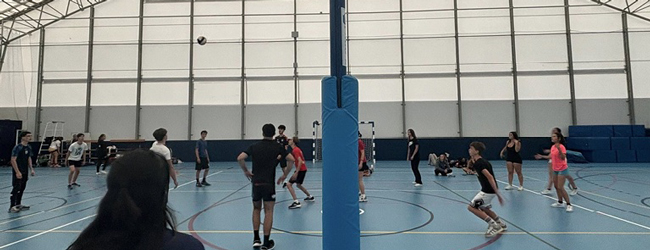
<point>198,184</point>
<point>75,184</point>
<point>295,205</point>
<point>269,246</point>
<point>310,198</point>
<point>70,187</point>
<point>284,185</point>
<point>257,243</point>
<point>205,183</point>
<point>23,207</point>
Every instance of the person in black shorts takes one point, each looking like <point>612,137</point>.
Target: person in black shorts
<point>481,204</point>
<point>266,155</point>
<point>513,160</point>
<point>202,159</point>
<point>298,176</point>
<point>21,165</point>
<point>363,167</point>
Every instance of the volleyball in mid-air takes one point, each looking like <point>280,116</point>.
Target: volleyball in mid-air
<point>202,40</point>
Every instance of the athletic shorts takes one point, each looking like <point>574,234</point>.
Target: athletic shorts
<point>563,172</point>
<point>76,164</point>
<point>482,200</point>
<point>203,164</point>
<point>300,178</point>
<point>364,167</point>
<point>263,192</point>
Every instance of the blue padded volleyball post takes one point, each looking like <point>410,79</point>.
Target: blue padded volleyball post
<point>340,165</point>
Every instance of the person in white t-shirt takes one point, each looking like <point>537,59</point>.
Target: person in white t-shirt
<point>160,148</point>
<point>54,152</point>
<point>76,157</point>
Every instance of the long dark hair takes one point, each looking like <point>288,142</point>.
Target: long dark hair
<point>514,135</point>
<point>133,214</point>
<point>412,132</point>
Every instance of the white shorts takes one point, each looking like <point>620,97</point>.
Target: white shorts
<point>550,161</point>
<point>482,200</point>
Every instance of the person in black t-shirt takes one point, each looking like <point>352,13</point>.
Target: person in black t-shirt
<point>102,154</point>
<point>266,155</point>
<point>134,213</point>
<point>413,155</point>
<point>481,204</point>
<point>283,140</point>
<point>21,163</point>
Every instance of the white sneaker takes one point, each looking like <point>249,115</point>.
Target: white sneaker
<point>418,184</point>
<point>362,198</point>
<point>509,187</point>
<point>103,172</point>
<point>493,231</point>
<point>520,188</point>
<point>503,226</point>
<point>569,208</point>
<point>97,173</point>
<point>557,204</point>
<point>546,191</point>
<point>573,192</point>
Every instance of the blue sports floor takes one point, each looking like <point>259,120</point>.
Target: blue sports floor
<point>612,210</point>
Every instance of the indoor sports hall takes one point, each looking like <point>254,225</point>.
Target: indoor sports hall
<point>325,124</point>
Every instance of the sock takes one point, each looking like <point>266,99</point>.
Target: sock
<point>266,239</point>
<point>256,235</point>
<point>490,221</point>
<point>197,180</point>
<point>568,204</point>
<point>296,201</point>
<point>498,220</point>
<point>560,201</point>
<point>204,179</point>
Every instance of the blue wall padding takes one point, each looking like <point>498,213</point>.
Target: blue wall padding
<point>589,143</point>
<point>640,143</point>
<point>625,156</point>
<point>620,143</point>
<point>638,130</point>
<point>643,155</point>
<point>340,165</point>
<point>602,131</point>
<point>622,130</point>
<point>579,131</point>
<point>600,156</point>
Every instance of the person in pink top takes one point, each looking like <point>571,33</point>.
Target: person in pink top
<point>560,170</point>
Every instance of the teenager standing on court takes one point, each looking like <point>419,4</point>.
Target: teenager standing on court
<point>298,176</point>
<point>21,165</point>
<point>513,160</point>
<point>266,155</point>
<point>160,148</point>
<point>75,159</point>
<point>560,171</point>
<point>413,155</point>
<point>202,159</point>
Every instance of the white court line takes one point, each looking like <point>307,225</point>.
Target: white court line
<point>67,224</point>
<point>45,232</point>
<point>184,184</point>
<point>590,210</point>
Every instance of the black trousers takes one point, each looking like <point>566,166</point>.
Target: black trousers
<point>415,167</point>
<point>440,171</point>
<point>18,189</point>
<point>102,160</point>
